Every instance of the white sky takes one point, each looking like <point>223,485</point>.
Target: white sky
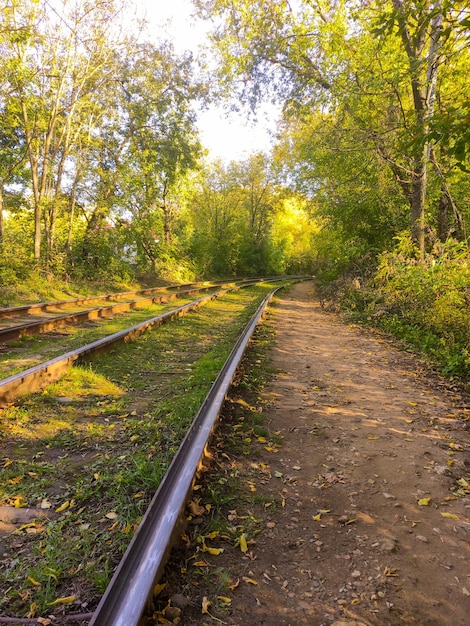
<point>226,138</point>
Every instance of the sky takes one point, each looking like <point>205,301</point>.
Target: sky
<point>226,137</point>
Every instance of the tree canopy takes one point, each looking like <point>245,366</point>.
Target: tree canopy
<point>102,167</point>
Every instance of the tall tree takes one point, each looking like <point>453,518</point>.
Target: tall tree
<point>53,58</point>
<point>376,64</point>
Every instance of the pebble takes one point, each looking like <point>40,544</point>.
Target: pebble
<point>179,600</point>
<point>356,574</point>
<point>422,538</point>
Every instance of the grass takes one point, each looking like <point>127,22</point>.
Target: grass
<point>92,449</point>
<point>228,493</point>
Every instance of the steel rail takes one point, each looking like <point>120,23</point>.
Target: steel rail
<point>125,599</point>
<point>43,326</point>
<point>44,306</point>
<point>38,376</point>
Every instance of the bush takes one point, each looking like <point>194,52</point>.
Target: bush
<point>424,301</point>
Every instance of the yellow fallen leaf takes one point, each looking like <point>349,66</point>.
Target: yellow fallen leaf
<point>243,544</point>
<point>111,515</point>
<point>224,599</point>
<point>34,582</point>
<point>373,438</point>
<point>214,551</point>
<point>450,515</point>
<point>158,589</point>
<point>7,463</point>
<point>235,584</point>
<point>249,580</point>
<point>138,495</point>
<point>317,518</point>
<point>33,474</point>
<point>424,501</point>
<point>412,403</point>
<point>66,600</point>
<point>262,439</point>
<point>201,564</point>
<point>206,603</point>
<point>213,535</point>
<point>16,480</point>
<point>62,507</point>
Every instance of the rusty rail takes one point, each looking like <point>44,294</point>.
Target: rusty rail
<point>40,375</point>
<point>144,560</point>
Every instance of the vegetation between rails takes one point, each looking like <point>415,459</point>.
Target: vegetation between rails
<point>227,510</point>
<point>90,451</point>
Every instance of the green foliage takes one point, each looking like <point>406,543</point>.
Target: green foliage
<point>426,302</point>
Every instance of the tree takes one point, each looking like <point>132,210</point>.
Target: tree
<point>54,62</point>
<point>375,64</point>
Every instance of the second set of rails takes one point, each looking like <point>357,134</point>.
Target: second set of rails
<point>34,378</point>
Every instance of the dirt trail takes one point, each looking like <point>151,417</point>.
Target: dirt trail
<point>371,530</point>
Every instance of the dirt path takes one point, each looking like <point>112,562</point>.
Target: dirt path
<point>372,472</point>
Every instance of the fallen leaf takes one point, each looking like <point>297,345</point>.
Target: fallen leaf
<point>424,501</point>
<point>66,600</point>
<point>243,543</point>
<point>16,480</point>
<point>111,515</point>
<point>450,515</point>
<point>195,508</point>
<point>235,584</point>
<point>158,589</point>
<point>34,582</point>
<point>249,580</point>
<point>224,599</point>
<point>205,605</point>
<point>213,535</point>
<point>62,507</point>
<point>214,551</point>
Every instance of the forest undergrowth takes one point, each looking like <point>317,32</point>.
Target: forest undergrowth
<point>424,302</point>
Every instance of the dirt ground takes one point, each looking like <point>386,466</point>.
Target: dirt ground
<point>373,479</point>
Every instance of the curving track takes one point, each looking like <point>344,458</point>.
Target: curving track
<point>126,596</point>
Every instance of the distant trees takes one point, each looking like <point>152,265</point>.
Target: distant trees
<point>244,222</point>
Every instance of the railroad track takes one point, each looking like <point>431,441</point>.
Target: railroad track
<point>143,562</point>
<point>40,325</point>
<point>35,377</point>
